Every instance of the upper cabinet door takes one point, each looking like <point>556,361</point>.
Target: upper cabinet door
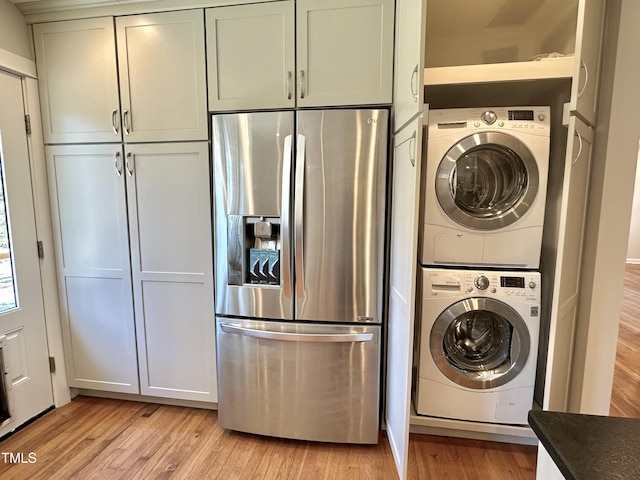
<point>589,33</point>
<point>76,62</point>
<point>408,90</point>
<point>344,52</point>
<point>251,56</point>
<point>162,76</point>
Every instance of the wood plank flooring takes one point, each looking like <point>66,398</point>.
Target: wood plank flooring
<point>93,438</point>
<point>625,396</point>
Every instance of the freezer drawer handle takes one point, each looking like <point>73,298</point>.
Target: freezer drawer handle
<point>298,337</point>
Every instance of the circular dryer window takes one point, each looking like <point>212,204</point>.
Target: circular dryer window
<point>480,343</point>
<point>487,181</point>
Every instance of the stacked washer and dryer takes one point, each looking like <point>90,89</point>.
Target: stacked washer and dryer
<point>484,195</point>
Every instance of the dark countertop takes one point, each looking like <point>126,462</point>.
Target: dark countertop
<point>590,447</point>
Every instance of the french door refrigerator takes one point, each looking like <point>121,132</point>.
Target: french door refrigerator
<point>299,215</point>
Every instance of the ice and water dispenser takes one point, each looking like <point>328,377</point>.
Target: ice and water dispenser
<point>254,250</point>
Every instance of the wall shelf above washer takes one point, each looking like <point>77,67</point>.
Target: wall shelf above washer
<point>550,68</point>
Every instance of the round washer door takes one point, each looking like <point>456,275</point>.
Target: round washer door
<point>480,343</point>
<point>487,181</point>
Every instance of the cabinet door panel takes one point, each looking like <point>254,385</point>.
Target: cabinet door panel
<point>250,53</point>
<point>172,267</point>
<point>408,90</point>
<point>402,288</point>
<point>344,52</point>
<point>78,81</point>
<point>566,290</point>
<point>162,76</point>
<point>94,277</point>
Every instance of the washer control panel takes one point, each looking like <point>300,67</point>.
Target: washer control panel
<point>482,283</point>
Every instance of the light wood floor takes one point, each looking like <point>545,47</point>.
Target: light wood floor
<point>94,438</point>
<point>625,396</point>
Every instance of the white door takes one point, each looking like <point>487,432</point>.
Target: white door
<point>566,285</point>
<point>78,80</point>
<point>27,382</point>
<point>89,213</point>
<point>344,52</point>
<point>402,287</point>
<point>408,89</point>
<point>169,202</point>
<point>161,63</point>
<point>251,56</point>
<point>589,34</point>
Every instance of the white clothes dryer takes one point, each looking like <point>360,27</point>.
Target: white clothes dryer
<point>478,335</point>
<point>485,186</point>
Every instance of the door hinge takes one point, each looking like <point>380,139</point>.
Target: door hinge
<point>40,249</point>
<point>27,124</point>
<point>52,364</point>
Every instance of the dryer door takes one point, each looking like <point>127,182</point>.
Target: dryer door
<point>487,181</point>
<point>480,343</point>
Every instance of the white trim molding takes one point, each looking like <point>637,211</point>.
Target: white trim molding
<point>10,62</point>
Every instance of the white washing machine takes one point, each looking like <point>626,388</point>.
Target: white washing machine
<point>478,345</point>
<point>485,186</point>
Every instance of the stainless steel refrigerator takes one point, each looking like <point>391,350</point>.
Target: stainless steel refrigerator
<point>299,218</point>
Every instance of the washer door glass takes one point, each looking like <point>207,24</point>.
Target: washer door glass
<point>480,343</point>
<point>487,181</point>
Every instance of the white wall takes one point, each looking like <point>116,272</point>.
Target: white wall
<point>633,249</point>
<point>14,34</point>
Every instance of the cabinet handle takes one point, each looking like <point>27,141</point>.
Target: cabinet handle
<point>289,75</point>
<point>586,78</point>
<point>301,83</point>
<point>414,83</point>
<point>116,163</point>
<point>114,119</point>
<point>125,122</point>
<point>129,164</point>
<point>575,160</point>
<point>412,149</point>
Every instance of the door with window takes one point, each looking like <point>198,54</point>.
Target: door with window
<point>25,386</point>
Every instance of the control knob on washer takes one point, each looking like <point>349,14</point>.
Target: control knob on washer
<point>481,282</point>
<point>532,284</point>
<point>489,117</point>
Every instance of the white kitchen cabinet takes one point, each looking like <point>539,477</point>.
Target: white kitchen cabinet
<point>403,261</point>
<point>172,268</point>
<point>162,223</point>
<point>161,94</point>
<point>162,76</point>
<point>78,81</point>
<point>251,56</point>
<point>408,91</point>
<point>566,291</point>
<point>89,212</point>
<point>343,54</point>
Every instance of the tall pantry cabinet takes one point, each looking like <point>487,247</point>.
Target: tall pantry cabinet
<point>439,50</point>
<point>132,220</point>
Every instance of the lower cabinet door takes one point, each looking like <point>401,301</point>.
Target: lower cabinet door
<point>172,268</point>
<point>87,190</point>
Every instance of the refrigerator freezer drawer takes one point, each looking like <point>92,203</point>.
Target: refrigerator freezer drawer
<point>300,381</point>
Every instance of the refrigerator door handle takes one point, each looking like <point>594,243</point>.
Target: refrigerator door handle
<point>297,337</point>
<point>286,213</point>
<point>299,215</point>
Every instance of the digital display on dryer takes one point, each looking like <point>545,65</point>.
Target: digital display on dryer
<point>512,282</point>
<point>522,115</point>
